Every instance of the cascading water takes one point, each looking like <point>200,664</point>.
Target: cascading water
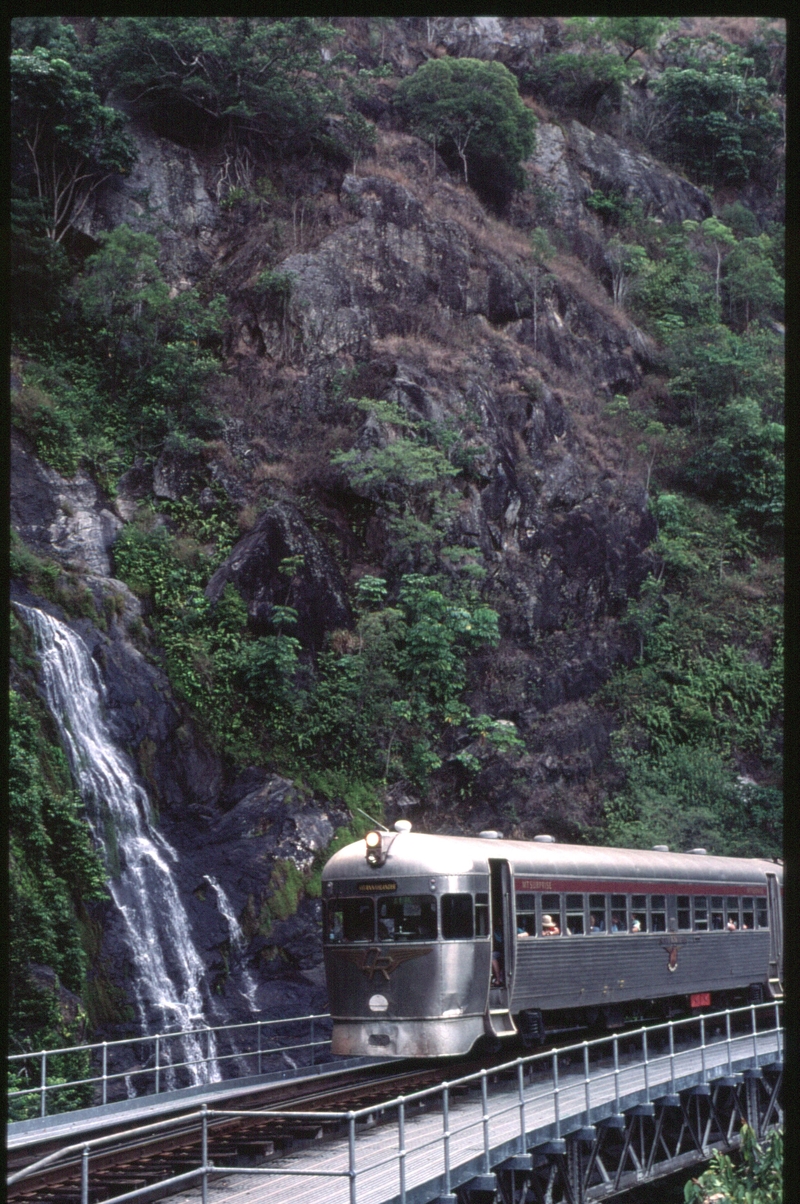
<point>238,943</point>
<point>143,886</point>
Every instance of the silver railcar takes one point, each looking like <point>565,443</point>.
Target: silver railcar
<point>432,942</point>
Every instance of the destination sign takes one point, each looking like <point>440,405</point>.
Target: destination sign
<point>376,887</point>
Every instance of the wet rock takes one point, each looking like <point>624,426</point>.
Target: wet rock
<point>316,590</point>
<point>63,518</point>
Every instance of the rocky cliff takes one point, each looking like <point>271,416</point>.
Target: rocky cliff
<point>390,282</point>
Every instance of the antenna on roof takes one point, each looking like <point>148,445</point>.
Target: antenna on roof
<point>376,822</point>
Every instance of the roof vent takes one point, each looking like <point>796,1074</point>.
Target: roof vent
<point>490,834</point>
<point>402,825</point>
<point>545,839</point>
<point>699,852</point>
<point>660,848</point>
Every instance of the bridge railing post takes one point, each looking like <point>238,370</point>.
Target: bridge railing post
<point>85,1175</point>
<point>446,1135</point>
<point>158,1063</point>
<point>703,1045</point>
<point>616,1071</point>
<point>401,1147</point>
<point>778,1027</point>
<point>754,1025</point>
<point>351,1155</point>
<point>43,1085</point>
<point>259,1047</point>
<point>204,1154</point>
<point>105,1072</point>
<point>646,1066</point>
<point>556,1093</point>
<point>313,1050</point>
<point>671,1056</point>
<point>728,1040</point>
<point>523,1128</point>
<point>485,1120</point>
<point>586,1082</point>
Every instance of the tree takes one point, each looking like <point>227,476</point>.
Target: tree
<point>752,286</point>
<point>258,83</point>
<point>147,347</point>
<point>474,112</point>
<point>717,123</point>
<point>582,84</point>
<point>65,142</point>
<point>636,33</point>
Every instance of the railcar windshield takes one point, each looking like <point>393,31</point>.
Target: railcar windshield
<point>350,920</point>
<point>407,918</point>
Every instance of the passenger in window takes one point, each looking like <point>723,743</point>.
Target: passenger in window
<point>521,929</point>
<point>617,923</point>
<point>596,925</point>
<point>636,926</point>
<point>732,926</point>
<point>549,928</point>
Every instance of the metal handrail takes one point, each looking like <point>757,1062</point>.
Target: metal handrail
<point>158,1042</point>
<point>401,1103</point>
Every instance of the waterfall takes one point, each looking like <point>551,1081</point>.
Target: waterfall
<point>169,970</point>
<point>238,943</point>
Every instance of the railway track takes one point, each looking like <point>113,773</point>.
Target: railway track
<point>148,1155</point>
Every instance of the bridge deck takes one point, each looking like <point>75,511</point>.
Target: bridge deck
<point>295,1178</point>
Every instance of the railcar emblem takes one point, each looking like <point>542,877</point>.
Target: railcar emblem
<point>672,944</point>
<point>377,961</point>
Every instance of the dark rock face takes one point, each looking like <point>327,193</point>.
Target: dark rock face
<point>316,590</point>
<point>164,195</point>
<point>573,160</point>
<point>65,519</point>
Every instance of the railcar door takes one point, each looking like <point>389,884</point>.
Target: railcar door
<point>775,936</point>
<point>503,950</point>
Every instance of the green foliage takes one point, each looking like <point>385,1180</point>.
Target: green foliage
<point>471,110</point>
<point>718,124</point>
<point>704,696</point>
<point>582,85</point>
<point>260,83</point>
<point>53,872</point>
<point>65,142</point>
<point>150,351</point>
<point>743,467</point>
<point>756,1179</point>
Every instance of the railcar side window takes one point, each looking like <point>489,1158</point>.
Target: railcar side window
<point>701,913</point>
<point>638,913</point>
<point>748,914</point>
<point>761,914</point>
<point>551,915</point>
<point>407,918</point>
<point>526,915</point>
<point>731,914</point>
<point>457,917</point>
<point>658,913</point>
<point>619,913</point>
<point>684,912</point>
<point>717,913</point>
<point>597,913</point>
<point>575,917</point>
<point>481,914</point>
<point>350,920</point>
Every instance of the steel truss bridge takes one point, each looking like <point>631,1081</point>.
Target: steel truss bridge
<point>572,1125</point>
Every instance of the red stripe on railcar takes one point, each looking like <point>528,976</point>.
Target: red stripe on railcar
<point>602,886</point>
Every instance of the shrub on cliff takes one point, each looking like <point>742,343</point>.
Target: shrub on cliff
<point>472,113</point>
<point>256,82</point>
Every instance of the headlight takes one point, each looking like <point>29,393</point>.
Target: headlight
<point>375,851</point>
